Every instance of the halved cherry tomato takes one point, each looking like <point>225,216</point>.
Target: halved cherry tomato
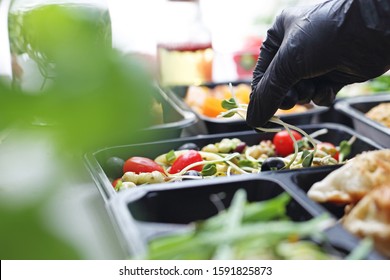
<point>186,159</point>
<point>284,145</point>
<point>329,148</point>
<point>141,165</point>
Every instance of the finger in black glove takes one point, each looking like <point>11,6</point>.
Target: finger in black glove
<point>310,53</point>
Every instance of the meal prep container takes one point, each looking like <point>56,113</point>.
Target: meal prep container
<point>176,117</point>
<point>223,125</point>
<point>142,214</point>
<point>356,107</point>
<point>301,182</point>
<point>102,172</point>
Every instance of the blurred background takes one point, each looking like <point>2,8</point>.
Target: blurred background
<point>80,75</point>
<point>234,26</point>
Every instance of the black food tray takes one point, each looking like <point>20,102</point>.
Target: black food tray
<point>146,213</point>
<point>301,182</point>
<point>103,173</point>
<point>215,125</point>
<point>356,107</point>
<point>176,117</point>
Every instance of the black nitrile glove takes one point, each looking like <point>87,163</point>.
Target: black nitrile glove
<point>310,53</point>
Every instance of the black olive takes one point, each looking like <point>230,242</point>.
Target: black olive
<point>114,167</point>
<point>192,173</point>
<point>272,164</point>
<point>188,146</point>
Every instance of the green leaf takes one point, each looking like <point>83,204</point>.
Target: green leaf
<point>25,235</point>
<point>307,158</point>
<point>247,163</point>
<point>267,210</point>
<point>229,115</point>
<point>362,250</point>
<point>229,104</point>
<point>345,150</point>
<point>209,169</point>
<point>304,144</point>
<point>305,153</point>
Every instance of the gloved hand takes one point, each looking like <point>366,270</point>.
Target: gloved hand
<point>310,53</point>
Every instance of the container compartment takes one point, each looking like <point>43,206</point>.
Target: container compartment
<point>175,118</point>
<point>302,182</point>
<point>356,107</point>
<point>153,211</point>
<point>215,125</point>
<point>102,172</point>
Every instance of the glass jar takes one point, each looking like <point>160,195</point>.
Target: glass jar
<point>184,49</point>
<point>5,58</point>
<point>47,36</point>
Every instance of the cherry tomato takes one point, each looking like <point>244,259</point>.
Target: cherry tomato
<point>115,182</point>
<point>141,164</point>
<point>329,148</point>
<point>284,145</point>
<point>186,159</point>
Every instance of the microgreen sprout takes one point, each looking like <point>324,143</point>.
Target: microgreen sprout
<point>233,106</point>
<point>345,148</point>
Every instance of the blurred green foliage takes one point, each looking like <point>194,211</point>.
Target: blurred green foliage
<point>96,96</point>
<point>380,84</point>
<point>92,96</point>
<point>23,236</point>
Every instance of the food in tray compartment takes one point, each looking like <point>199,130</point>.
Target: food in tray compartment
<point>207,101</point>
<point>229,156</point>
<point>363,185</point>
<point>371,218</point>
<point>248,230</point>
<point>351,182</point>
<point>380,113</point>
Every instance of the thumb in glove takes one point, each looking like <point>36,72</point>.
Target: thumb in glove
<point>310,53</point>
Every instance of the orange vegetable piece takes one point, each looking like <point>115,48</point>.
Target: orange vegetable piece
<point>242,92</point>
<point>212,107</point>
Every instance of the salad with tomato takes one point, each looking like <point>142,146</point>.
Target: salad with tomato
<point>230,156</point>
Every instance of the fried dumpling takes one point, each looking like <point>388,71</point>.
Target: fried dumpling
<point>370,217</point>
<point>355,179</point>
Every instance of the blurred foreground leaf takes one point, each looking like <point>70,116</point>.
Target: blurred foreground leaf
<point>95,96</point>
<point>91,97</point>
<point>23,236</point>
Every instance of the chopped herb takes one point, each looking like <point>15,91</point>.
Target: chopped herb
<point>209,169</point>
<point>170,156</point>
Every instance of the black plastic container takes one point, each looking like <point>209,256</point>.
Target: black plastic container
<point>301,182</point>
<point>146,213</point>
<point>103,173</point>
<point>223,125</point>
<point>168,120</point>
<point>175,118</point>
<point>356,107</point>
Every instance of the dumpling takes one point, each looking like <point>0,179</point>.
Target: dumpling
<point>355,179</point>
<point>371,218</point>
